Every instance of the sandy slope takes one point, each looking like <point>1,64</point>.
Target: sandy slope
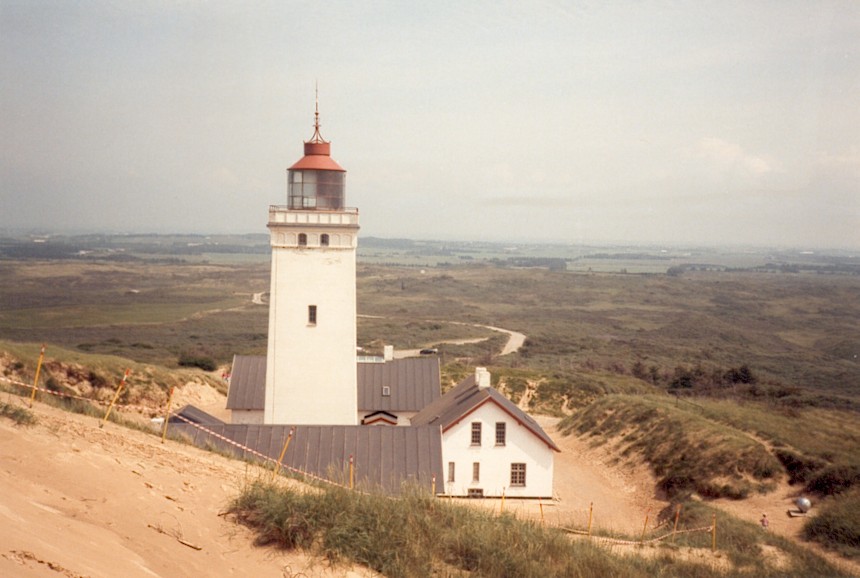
<point>78,500</point>
<point>81,501</point>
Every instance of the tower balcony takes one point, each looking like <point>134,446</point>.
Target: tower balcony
<point>283,215</point>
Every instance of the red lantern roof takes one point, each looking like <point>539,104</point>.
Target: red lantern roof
<point>317,152</point>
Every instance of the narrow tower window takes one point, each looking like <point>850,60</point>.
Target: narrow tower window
<point>312,314</point>
<point>303,240</point>
<point>324,239</point>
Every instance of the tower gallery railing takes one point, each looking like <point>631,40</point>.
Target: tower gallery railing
<point>283,214</point>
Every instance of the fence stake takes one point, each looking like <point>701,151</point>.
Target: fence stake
<point>590,513</point>
<point>277,467</point>
<point>645,527</point>
<point>167,415</point>
<point>675,528</point>
<point>433,486</point>
<point>36,379</point>
<point>502,504</point>
<point>115,397</point>
<point>714,533</point>
<point>540,505</point>
<point>351,472</point>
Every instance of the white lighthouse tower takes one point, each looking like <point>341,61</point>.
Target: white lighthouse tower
<point>311,361</point>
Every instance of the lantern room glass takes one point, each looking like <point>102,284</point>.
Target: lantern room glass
<point>310,189</point>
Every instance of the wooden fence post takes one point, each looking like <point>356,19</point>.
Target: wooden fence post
<point>115,397</point>
<point>36,379</point>
<point>167,415</point>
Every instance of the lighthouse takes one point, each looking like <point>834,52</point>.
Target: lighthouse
<point>311,357</point>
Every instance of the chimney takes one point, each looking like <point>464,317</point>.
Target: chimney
<point>388,352</point>
<point>482,377</point>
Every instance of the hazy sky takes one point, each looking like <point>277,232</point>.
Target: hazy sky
<point>593,121</point>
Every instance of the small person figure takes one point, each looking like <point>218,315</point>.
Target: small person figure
<point>764,522</point>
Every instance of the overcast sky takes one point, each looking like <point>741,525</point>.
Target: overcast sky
<point>584,122</point>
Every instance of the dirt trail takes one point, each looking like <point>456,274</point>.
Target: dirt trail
<point>776,505</point>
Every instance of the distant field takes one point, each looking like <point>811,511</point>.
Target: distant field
<point>799,328</point>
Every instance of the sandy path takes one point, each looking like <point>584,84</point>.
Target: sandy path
<point>82,501</point>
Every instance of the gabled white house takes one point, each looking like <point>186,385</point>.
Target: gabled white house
<point>490,447</point>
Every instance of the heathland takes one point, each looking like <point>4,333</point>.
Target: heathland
<point>730,375</point>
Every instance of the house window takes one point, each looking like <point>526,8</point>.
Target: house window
<point>324,240</point>
<point>312,314</point>
<point>476,433</point>
<point>476,493</point>
<point>518,474</point>
<point>476,471</point>
<point>386,391</point>
<point>303,240</point>
<point>450,471</point>
<point>500,433</point>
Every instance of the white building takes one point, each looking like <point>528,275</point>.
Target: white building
<point>310,369</point>
<point>490,447</point>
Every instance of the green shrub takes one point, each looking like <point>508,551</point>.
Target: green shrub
<point>834,480</point>
<point>800,468</point>
<point>18,414</point>
<point>204,362</point>
<point>837,525</point>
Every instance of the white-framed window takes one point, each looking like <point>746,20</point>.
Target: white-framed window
<point>476,433</point>
<point>476,471</point>
<point>518,474</point>
<point>450,471</point>
<point>386,391</point>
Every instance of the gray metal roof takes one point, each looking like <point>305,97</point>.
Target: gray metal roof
<point>384,457</point>
<point>413,383</point>
<point>465,398</point>
<point>247,383</point>
<point>195,415</point>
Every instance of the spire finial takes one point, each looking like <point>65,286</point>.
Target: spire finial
<point>317,138</point>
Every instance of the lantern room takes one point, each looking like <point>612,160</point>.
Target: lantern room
<point>316,181</point>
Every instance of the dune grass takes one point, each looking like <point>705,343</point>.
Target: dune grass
<point>417,535</point>
<point>18,414</point>
<point>686,450</point>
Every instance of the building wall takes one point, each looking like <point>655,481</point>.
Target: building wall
<point>246,417</point>
<point>521,446</point>
<point>311,371</point>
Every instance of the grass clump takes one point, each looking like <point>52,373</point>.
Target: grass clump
<point>19,415</point>
<point>414,535</point>
<point>837,525</point>
<point>417,535</point>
